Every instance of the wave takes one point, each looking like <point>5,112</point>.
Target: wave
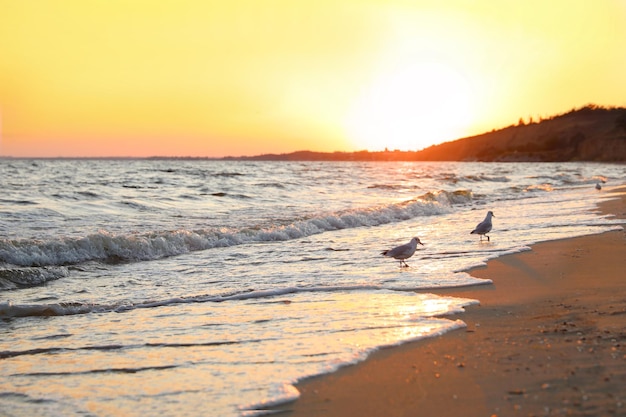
<point>539,187</point>
<point>454,178</point>
<point>134,247</point>
<point>569,179</point>
<point>53,350</point>
<point>9,309</point>
<point>99,371</point>
<point>18,202</point>
<point>12,278</point>
<point>487,178</point>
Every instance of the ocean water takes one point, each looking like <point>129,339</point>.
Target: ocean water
<point>202,287</point>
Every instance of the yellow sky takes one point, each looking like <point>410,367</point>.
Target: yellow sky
<point>245,77</point>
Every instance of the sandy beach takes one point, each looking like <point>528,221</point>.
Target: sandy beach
<point>548,339</point>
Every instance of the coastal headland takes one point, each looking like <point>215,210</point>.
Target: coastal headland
<point>590,133</point>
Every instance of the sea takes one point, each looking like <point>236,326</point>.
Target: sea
<point>173,287</point>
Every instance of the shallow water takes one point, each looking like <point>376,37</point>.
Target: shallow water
<point>137,287</point>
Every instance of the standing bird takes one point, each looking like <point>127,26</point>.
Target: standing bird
<point>403,252</point>
<point>598,186</point>
<point>484,227</point>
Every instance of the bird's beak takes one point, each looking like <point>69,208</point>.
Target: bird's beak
<point>421,243</point>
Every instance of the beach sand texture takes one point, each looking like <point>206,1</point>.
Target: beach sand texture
<point>548,339</point>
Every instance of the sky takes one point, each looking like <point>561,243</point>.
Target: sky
<point>213,78</point>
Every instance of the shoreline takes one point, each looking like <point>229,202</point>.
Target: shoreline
<point>548,338</point>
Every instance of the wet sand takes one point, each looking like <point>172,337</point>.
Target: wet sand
<point>548,339</point>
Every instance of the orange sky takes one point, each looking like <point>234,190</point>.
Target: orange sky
<point>245,77</point>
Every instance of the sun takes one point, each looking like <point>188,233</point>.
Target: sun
<point>410,108</point>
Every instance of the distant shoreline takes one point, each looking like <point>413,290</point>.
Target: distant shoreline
<point>361,156</point>
<point>588,134</point>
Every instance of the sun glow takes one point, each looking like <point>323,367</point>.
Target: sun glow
<point>411,107</point>
<point>243,77</point>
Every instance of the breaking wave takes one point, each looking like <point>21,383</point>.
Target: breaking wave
<point>117,248</point>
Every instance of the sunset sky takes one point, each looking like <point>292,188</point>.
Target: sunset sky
<point>246,77</point>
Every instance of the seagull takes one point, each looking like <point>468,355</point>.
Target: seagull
<point>484,227</point>
<point>403,252</point>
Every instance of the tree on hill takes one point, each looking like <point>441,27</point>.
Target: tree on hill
<point>620,122</point>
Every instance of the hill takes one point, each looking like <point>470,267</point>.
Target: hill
<point>590,133</point>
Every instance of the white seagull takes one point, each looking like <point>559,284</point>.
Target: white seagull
<point>484,227</point>
<point>403,252</point>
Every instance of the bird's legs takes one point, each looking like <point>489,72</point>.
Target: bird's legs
<point>403,264</point>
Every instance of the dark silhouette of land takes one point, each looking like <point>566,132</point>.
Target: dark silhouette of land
<point>590,133</point>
